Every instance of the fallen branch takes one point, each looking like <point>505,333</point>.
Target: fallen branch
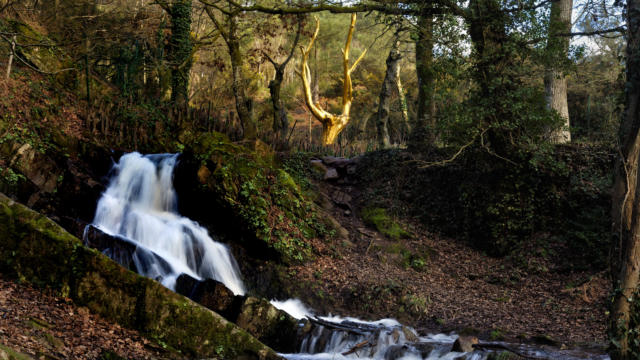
<point>357,347</point>
<point>336,326</point>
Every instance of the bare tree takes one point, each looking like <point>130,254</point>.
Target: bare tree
<point>332,124</point>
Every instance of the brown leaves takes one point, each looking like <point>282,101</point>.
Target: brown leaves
<point>39,324</point>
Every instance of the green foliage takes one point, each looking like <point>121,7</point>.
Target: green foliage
<point>378,218</point>
<point>266,199</point>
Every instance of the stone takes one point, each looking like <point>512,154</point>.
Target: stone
<point>211,294</point>
<point>319,166</point>
<point>268,324</point>
<point>331,174</point>
<point>464,344</point>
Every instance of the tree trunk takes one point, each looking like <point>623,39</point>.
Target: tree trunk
<point>280,120</point>
<point>244,104</point>
<point>555,82</point>
<point>390,81</point>
<point>180,49</point>
<point>626,207</point>
<point>493,62</point>
<point>423,130</point>
<point>403,102</point>
<point>13,50</point>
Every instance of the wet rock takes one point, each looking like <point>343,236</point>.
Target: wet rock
<point>331,174</point>
<point>409,334</point>
<point>211,294</point>
<point>424,348</point>
<point>464,344</point>
<point>268,324</point>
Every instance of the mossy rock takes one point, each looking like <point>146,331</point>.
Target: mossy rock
<point>379,219</point>
<point>254,193</point>
<point>10,354</point>
<point>36,250</point>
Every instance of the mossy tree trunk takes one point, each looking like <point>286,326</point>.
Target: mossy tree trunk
<point>244,105</point>
<point>423,129</point>
<point>494,54</point>
<point>625,319</point>
<point>390,81</point>
<point>555,82</point>
<point>280,120</point>
<point>180,52</point>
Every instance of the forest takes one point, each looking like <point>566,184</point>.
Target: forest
<point>319,179</point>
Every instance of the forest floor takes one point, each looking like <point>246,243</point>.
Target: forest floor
<point>39,325</point>
<point>457,288</point>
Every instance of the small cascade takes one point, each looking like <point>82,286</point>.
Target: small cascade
<point>140,207</point>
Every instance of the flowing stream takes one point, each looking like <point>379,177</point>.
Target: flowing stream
<point>140,207</point>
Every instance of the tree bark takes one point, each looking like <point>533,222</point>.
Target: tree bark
<point>555,82</point>
<point>626,207</point>
<point>403,103</point>
<point>423,130</point>
<point>493,56</point>
<point>390,81</point>
<point>244,105</point>
<point>180,51</point>
<point>13,50</point>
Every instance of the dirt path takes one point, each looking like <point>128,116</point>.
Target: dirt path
<point>49,327</point>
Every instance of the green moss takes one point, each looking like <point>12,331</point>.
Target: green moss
<point>263,197</point>
<point>378,218</point>
<point>10,354</point>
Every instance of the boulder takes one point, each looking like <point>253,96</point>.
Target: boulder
<point>36,250</point>
<point>331,174</point>
<point>464,344</point>
<point>269,325</point>
<point>211,294</point>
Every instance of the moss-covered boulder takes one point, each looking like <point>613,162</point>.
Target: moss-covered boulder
<point>36,250</point>
<point>269,324</point>
<point>247,190</point>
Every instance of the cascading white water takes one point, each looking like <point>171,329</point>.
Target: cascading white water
<point>140,205</point>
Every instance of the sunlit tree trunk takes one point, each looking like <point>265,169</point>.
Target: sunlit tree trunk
<point>626,204</point>
<point>403,102</point>
<point>423,129</point>
<point>555,82</point>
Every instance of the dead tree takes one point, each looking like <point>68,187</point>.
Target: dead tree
<point>332,124</point>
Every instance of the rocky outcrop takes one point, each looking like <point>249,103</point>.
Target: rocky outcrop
<point>257,316</point>
<point>36,250</point>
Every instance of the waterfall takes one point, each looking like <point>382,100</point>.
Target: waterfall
<point>140,206</point>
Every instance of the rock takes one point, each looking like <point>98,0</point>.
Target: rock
<point>342,199</point>
<point>331,174</point>
<point>211,294</point>
<point>37,251</point>
<point>424,348</point>
<point>319,166</point>
<point>336,162</point>
<point>268,324</point>
<point>464,344</point>
<point>122,250</point>
<point>409,334</point>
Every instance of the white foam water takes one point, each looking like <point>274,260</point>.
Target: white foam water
<point>140,205</point>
